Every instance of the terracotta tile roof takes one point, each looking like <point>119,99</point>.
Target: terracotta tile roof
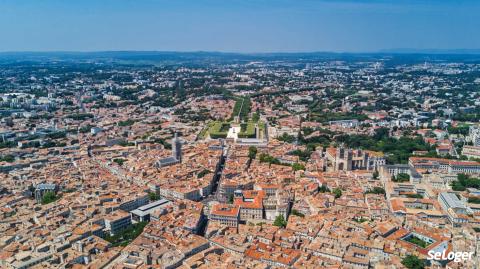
<point>225,210</point>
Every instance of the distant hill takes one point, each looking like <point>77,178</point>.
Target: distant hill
<point>202,57</point>
<point>432,51</point>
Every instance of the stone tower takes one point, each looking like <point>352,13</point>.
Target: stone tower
<point>176,148</point>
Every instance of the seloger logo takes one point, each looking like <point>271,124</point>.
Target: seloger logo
<point>455,256</point>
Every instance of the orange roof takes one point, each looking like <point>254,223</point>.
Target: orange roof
<point>332,151</point>
<point>430,140</point>
<point>397,205</point>
<point>225,210</point>
<point>464,163</point>
<point>445,161</point>
<point>268,186</point>
<point>116,215</point>
<point>252,194</point>
<point>445,147</point>
<point>256,203</point>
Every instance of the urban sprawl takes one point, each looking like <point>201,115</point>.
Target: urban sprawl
<point>280,161</point>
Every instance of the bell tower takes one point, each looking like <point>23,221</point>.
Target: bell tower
<point>177,148</point>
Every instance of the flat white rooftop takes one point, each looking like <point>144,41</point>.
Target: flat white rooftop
<point>149,208</point>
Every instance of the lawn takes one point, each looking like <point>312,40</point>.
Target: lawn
<point>126,236</point>
<point>241,108</point>
<point>417,241</point>
<point>49,197</point>
<point>219,130</point>
<point>247,130</point>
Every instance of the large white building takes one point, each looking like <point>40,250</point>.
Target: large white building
<point>455,209</point>
<point>117,221</point>
<point>447,165</point>
<point>474,135</point>
<point>471,151</point>
<point>143,213</point>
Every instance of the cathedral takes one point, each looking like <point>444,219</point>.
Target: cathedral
<point>176,154</point>
<point>341,159</point>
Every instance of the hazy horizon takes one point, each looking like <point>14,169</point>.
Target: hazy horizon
<point>380,51</point>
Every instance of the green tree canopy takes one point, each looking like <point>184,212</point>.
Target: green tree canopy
<point>413,262</point>
<point>298,166</point>
<point>49,197</point>
<point>337,192</point>
<point>280,221</point>
<point>252,152</point>
<point>153,196</point>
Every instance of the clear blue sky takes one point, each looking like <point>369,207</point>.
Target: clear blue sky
<point>238,25</point>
